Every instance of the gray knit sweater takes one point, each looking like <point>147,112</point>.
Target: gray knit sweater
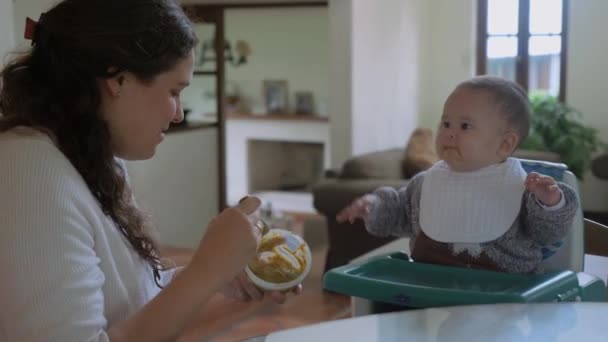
<point>519,250</point>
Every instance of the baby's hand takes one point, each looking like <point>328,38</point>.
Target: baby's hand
<point>544,188</point>
<point>357,210</point>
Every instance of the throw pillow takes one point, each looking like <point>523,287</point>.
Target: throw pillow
<point>419,153</point>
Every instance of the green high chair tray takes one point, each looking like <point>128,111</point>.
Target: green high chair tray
<point>395,279</point>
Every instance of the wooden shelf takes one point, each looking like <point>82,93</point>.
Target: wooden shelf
<point>277,117</point>
<point>204,73</point>
<point>189,126</point>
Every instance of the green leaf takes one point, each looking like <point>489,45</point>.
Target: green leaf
<point>559,128</point>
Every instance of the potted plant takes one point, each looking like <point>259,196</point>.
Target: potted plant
<point>557,127</point>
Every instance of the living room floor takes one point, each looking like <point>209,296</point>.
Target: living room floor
<point>227,320</point>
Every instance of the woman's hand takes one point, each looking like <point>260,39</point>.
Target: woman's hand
<point>230,242</point>
<point>241,288</point>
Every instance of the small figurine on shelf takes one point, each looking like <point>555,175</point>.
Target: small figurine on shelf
<point>266,212</point>
<point>304,103</point>
<point>233,101</point>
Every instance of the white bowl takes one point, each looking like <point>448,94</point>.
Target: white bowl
<point>293,241</point>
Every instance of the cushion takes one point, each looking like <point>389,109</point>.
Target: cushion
<point>419,153</point>
<point>380,165</point>
<point>599,166</point>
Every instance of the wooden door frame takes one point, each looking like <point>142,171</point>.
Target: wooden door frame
<point>215,15</point>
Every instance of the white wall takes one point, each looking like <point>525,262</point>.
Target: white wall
<point>28,8</point>
<point>384,81</point>
<point>386,74</point>
<point>178,187</point>
<point>587,86</point>
<point>6,29</point>
<point>340,80</point>
<point>287,44</point>
<point>450,53</point>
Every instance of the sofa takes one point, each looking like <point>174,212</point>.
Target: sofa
<point>363,174</point>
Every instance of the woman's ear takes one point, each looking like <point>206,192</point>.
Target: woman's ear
<point>114,84</point>
<point>510,141</point>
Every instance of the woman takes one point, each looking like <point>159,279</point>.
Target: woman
<point>100,84</point>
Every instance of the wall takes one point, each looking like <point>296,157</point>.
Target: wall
<point>450,53</point>
<point>27,8</point>
<point>340,80</point>
<point>178,187</point>
<point>386,94</point>
<point>586,87</point>
<point>384,78</point>
<point>6,29</point>
<point>287,44</point>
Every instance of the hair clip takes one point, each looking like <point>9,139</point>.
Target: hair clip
<point>31,27</point>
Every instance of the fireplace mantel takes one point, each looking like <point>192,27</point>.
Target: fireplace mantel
<point>240,131</point>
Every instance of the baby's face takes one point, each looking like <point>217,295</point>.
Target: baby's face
<point>472,131</point>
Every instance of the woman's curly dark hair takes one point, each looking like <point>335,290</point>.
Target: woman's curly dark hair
<point>53,87</point>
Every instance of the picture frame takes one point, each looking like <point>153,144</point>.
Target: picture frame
<point>304,103</point>
<point>275,96</point>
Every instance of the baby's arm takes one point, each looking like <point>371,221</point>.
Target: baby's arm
<point>386,211</point>
<point>358,209</point>
<point>550,209</point>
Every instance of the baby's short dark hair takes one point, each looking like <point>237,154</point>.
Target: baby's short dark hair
<point>510,97</point>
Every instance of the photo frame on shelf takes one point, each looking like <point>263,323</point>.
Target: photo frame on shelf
<point>305,104</point>
<point>275,96</point>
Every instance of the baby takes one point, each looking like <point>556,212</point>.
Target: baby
<point>476,207</point>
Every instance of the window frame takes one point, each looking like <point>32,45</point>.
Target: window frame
<point>523,36</point>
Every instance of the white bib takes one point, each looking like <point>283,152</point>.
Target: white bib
<point>471,207</point>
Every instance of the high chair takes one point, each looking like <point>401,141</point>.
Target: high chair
<point>397,280</point>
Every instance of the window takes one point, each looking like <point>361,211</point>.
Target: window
<point>524,41</point>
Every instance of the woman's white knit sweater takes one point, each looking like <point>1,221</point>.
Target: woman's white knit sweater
<point>69,274</point>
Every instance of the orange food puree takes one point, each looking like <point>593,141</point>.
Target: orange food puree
<point>276,262</point>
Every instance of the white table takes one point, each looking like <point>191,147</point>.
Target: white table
<point>597,265</point>
<point>580,322</point>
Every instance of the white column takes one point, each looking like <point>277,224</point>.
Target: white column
<point>340,80</point>
<point>586,83</point>
<point>376,50</point>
